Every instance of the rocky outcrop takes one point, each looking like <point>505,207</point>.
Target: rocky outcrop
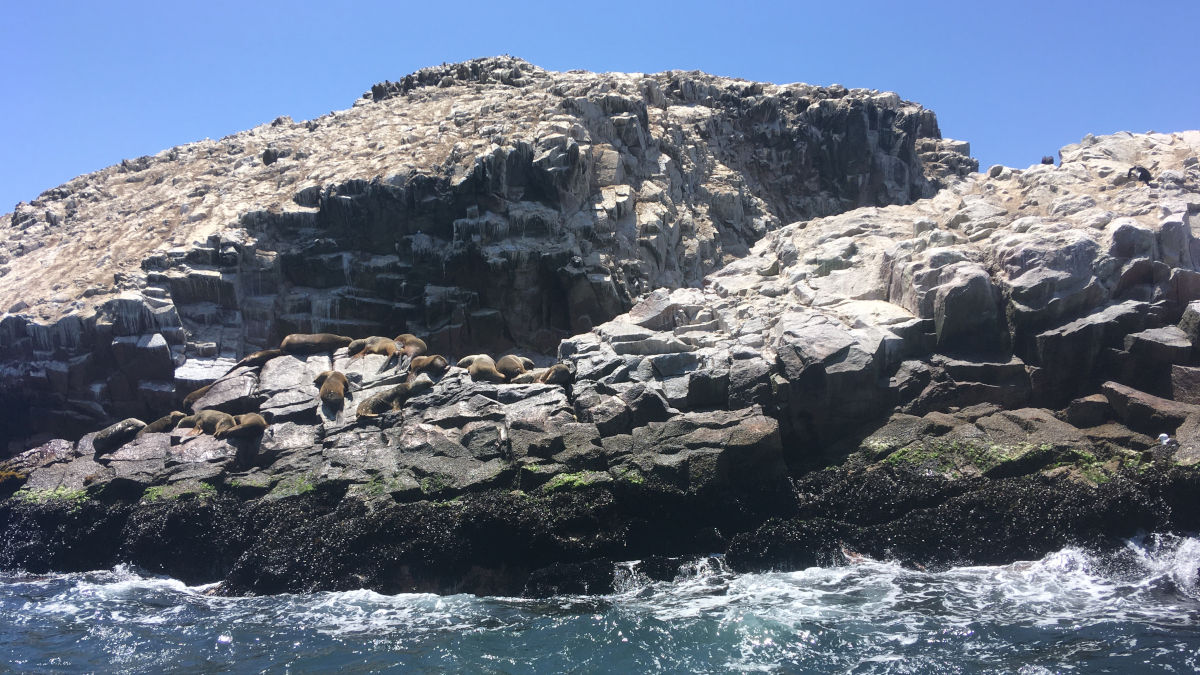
<point>993,371</point>
<point>483,205</point>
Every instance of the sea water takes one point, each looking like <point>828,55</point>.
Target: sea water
<point>1129,611</point>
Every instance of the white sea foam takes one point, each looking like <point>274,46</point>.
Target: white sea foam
<point>1138,606</point>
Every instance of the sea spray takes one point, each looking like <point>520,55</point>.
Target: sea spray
<point>1130,610</point>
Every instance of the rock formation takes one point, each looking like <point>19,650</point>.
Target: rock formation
<point>482,205</point>
<point>795,324</point>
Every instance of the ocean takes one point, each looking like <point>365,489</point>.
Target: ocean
<point>1133,610</point>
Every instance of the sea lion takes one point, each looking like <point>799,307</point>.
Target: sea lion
<point>165,423</point>
<point>372,345</point>
<point>411,345</point>
<point>190,399</point>
<point>1047,159</point>
<point>1139,173</point>
<point>244,426</point>
<point>334,387</point>
<point>434,364</point>
<point>557,374</point>
<point>528,377</point>
<point>207,421</point>
<point>114,436</point>
<point>511,366</point>
<point>304,343</point>
<point>394,398</point>
<point>257,358</point>
<point>482,368</point>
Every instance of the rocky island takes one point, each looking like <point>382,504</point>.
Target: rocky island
<point>788,324</point>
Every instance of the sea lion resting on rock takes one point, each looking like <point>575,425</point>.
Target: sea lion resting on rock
<point>1138,173</point>
<point>116,435</point>
<point>190,399</point>
<point>393,398</point>
<point>556,374</point>
<point>411,345</point>
<point>482,368</point>
<point>372,345</point>
<point>244,426</point>
<point>511,366</point>
<point>334,388</point>
<point>165,423</point>
<point>303,343</point>
<point>207,421</point>
<point>257,358</point>
<point>435,364</point>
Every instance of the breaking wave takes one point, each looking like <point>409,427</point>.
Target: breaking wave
<point>1133,610</point>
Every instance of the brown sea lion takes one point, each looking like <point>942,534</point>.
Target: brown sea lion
<point>528,377</point>
<point>334,387</point>
<point>482,368</point>
<point>114,436</point>
<point>257,358</point>
<point>511,366</point>
<point>165,423</point>
<point>372,345</point>
<point>556,374</point>
<point>244,426</point>
<point>190,399</point>
<point>304,343</point>
<point>394,398</point>
<point>411,345</point>
<point>206,421</point>
<point>434,364</point>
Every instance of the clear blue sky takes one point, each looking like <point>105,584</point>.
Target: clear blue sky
<point>86,84</point>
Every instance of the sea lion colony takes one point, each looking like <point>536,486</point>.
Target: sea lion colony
<point>334,386</point>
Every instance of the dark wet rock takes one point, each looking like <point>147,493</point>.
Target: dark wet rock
<point>973,377</point>
<point>236,393</point>
<point>1144,412</point>
<point>1089,411</point>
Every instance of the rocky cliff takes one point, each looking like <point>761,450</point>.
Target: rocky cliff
<point>946,367</point>
<point>483,205</point>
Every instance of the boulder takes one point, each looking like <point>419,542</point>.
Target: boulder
<point>1144,412</point>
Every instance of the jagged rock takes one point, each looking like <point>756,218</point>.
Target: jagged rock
<point>1089,411</point>
<point>1185,384</point>
<point>1159,346</point>
<point>857,375</point>
<point>1146,413</point>
<point>234,394</point>
<point>549,202</point>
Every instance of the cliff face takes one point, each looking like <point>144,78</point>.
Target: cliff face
<point>483,205</point>
<point>977,374</point>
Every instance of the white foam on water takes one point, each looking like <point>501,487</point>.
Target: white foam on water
<point>870,616</point>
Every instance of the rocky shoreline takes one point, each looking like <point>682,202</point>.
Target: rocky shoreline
<point>955,368</point>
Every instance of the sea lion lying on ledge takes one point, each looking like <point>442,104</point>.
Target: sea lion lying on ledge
<point>435,364</point>
<point>304,343</point>
<point>257,358</point>
<point>334,386</point>
<point>190,399</point>
<point>245,426</point>
<point>114,436</point>
<point>394,398</point>
<point>165,423</point>
<point>411,345</point>
<point>207,421</point>
<point>556,374</point>
<point>511,366</point>
<point>372,345</point>
<point>482,368</point>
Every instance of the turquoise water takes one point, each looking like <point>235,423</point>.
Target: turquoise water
<point>1130,611</point>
